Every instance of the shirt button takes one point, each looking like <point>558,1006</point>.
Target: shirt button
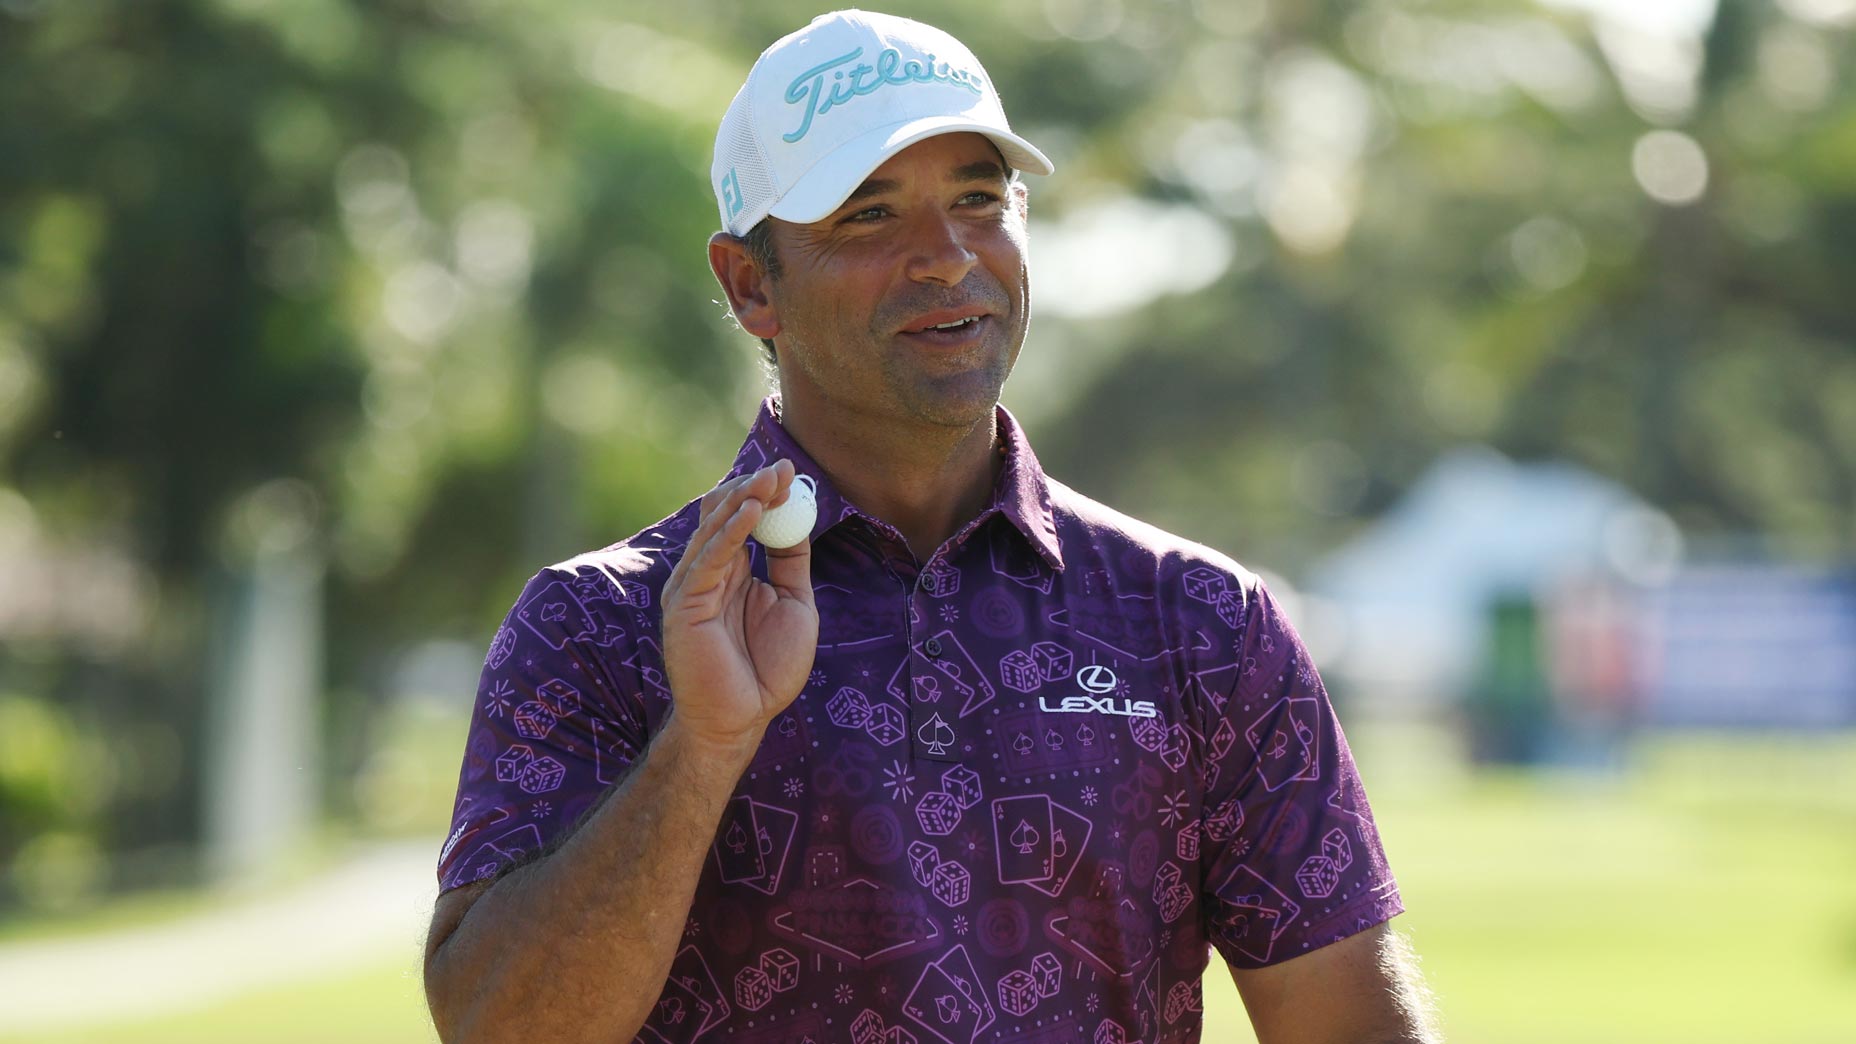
<point>933,648</point>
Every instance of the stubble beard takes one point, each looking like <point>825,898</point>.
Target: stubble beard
<point>914,395</point>
<point>956,401</point>
<point>907,394</point>
<point>960,400</point>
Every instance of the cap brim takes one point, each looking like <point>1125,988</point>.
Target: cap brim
<point>831,180</point>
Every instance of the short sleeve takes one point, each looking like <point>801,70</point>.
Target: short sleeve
<point>549,732</point>
<point>1292,860</point>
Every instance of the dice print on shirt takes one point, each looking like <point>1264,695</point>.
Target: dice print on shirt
<point>1030,779</point>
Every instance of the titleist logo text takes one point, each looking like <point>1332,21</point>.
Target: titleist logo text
<point>808,88</point>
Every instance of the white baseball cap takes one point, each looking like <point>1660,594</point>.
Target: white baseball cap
<point>825,106</point>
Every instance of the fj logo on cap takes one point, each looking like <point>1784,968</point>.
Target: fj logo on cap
<point>731,193</point>
<point>808,88</point>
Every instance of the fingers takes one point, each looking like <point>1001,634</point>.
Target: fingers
<point>784,473</point>
<point>705,566</point>
<point>705,511</point>
<point>720,503</point>
<point>728,513</point>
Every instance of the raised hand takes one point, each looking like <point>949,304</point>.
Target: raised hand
<point>737,649</point>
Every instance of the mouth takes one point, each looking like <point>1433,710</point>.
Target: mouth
<point>948,330</point>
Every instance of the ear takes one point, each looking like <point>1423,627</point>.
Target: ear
<point>745,284</point>
<point>1020,195</point>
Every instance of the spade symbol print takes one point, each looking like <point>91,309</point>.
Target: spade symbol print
<point>936,733</point>
<point>1025,837</point>
<point>1281,746</point>
<point>672,1009</point>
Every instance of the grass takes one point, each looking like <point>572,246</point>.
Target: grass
<point>1551,916</point>
<point>378,1004</point>
<point>1707,896</point>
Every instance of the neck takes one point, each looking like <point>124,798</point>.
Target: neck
<point>927,481</point>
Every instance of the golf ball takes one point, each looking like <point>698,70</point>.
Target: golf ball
<point>792,521</point>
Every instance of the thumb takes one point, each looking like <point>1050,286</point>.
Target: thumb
<point>789,571</point>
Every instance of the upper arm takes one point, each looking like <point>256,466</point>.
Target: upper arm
<point>1361,989</point>
<point>1291,860</point>
<point>447,913</point>
<point>556,722</point>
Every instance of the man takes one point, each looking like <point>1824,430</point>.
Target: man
<point>978,759</point>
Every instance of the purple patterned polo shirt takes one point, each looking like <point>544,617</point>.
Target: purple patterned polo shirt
<point>1029,785</point>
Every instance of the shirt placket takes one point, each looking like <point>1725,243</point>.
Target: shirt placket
<point>937,679</point>
<point>944,675</point>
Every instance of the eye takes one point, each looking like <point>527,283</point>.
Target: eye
<point>866,215</point>
<point>982,197</point>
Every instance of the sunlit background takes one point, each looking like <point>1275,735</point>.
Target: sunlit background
<point>1513,341</point>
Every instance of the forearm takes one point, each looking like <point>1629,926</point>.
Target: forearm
<point>577,945</point>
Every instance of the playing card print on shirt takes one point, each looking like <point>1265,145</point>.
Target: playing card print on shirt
<point>1028,783</point>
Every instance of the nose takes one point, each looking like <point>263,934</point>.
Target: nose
<point>938,250</point>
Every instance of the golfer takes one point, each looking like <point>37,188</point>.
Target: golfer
<point>950,752</point>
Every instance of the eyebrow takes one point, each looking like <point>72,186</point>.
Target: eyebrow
<point>873,187</point>
<point>984,170</point>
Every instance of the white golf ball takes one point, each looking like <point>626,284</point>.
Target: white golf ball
<point>792,521</point>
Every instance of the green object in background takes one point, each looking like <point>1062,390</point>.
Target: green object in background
<point>49,807</point>
<point>1508,708</point>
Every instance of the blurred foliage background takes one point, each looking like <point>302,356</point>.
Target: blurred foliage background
<point>363,313</point>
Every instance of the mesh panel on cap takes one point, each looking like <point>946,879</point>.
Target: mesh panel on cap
<point>747,167</point>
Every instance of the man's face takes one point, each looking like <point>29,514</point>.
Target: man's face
<point>935,235</point>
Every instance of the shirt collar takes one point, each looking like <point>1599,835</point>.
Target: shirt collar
<point>1022,493</point>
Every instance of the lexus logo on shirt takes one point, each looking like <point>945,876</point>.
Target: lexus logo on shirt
<point>1099,679</point>
<point>1090,705</point>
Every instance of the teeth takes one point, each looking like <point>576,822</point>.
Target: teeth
<point>957,322</point>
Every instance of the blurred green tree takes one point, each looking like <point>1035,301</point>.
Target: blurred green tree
<point>428,279</point>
